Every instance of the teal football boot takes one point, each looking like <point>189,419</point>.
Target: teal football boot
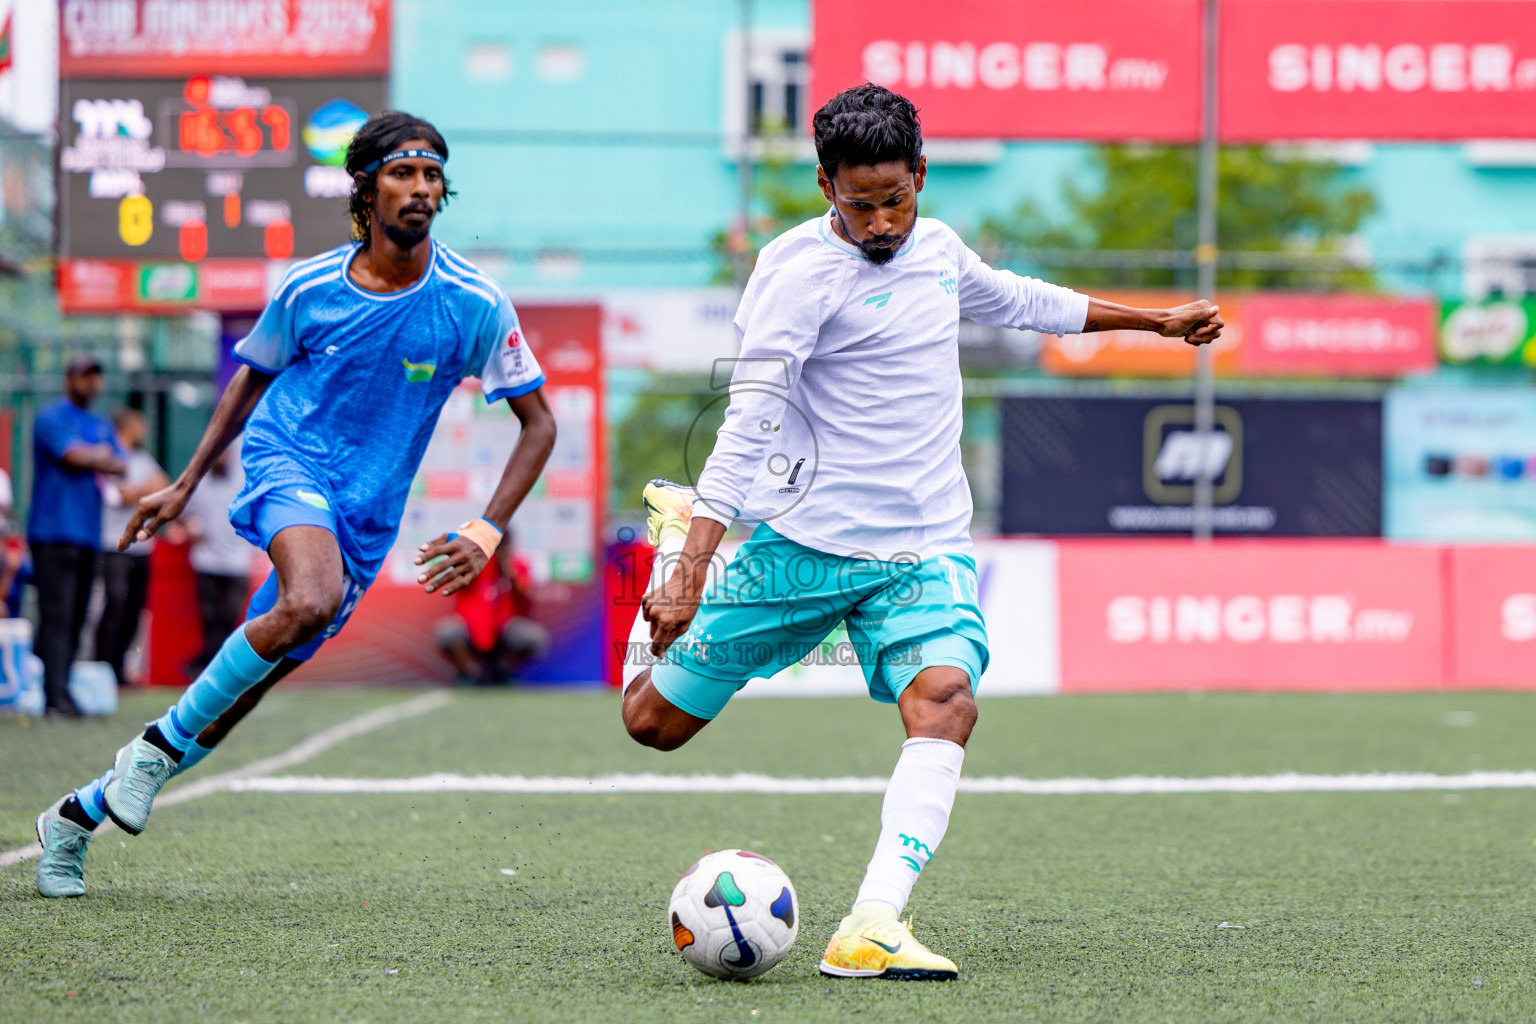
<point>138,772</point>
<point>61,868</point>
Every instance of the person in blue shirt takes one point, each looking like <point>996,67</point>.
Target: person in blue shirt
<point>345,374</point>
<point>71,448</point>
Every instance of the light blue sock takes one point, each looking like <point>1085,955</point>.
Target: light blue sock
<point>89,796</point>
<point>236,668</point>
<point>195,753</point>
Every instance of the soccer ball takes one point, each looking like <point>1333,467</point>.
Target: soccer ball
<point>734,914</point>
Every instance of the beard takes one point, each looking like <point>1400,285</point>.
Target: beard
<point>881,249</point>
<point>407,238</point>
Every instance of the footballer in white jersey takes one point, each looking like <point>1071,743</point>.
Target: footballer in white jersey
<point>841,446</point>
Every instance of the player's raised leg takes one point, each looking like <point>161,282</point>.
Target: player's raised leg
<point>668,511</point>
<point>648,716</point>
<point>939,713</point>
<point>307,560</point>
<point>653,721</point>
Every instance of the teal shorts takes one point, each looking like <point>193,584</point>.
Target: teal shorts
<point>777,601</point>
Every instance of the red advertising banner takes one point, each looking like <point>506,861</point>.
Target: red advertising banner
<point>1337,335</point>
<point>1493,628</point>
<point>1113,69</point>
<point>1268,334</point>
<point>1275,615</point>
<point>117,286</point>
<point>1377,69</point>
<point>162,39</point>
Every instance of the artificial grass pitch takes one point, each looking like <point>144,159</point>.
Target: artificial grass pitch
<point>1298,907</point>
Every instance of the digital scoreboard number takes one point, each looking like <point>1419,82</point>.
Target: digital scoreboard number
<point>207,167</point>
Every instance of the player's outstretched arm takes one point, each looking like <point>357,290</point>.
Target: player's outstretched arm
<point>234,408</point>
<point>1196,322</point>
<point>462,555</point>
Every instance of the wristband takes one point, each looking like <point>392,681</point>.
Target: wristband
<point>483,532</point>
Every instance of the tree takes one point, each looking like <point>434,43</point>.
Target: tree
<point>669,431</point>
<point>1144,199</point>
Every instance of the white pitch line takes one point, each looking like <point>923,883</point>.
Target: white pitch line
<point>297,754</point>
<point>1290,782</point>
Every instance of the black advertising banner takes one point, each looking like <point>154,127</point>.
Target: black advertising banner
<point>1127,466</point>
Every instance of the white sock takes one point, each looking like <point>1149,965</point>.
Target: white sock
<point>913,819</point>
<point>635,661</point>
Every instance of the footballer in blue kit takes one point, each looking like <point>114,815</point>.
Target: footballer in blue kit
<point>344,376</point>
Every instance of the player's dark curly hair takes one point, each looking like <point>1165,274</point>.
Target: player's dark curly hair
<point>380,136</point>
<point>866,125</point>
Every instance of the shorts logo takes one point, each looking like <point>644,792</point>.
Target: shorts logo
<point>312,499</point>
<point>418,373</point>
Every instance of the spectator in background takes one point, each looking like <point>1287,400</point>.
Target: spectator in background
<point>220,556</point>
<point>125,574</point>
<point>71,448</point>
<point>490,636</point>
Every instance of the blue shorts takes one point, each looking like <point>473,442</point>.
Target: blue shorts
<point>777,601</point>
<point>274,512</point>
<point>293,505</point>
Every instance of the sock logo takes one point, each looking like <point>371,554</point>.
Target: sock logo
<point>917,846</point>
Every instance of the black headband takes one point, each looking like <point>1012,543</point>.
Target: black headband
<point>403,154</point>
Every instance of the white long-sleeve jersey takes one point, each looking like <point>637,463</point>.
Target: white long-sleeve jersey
<point>843,430</point>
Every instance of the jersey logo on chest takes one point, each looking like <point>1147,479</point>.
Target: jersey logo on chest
<point>418,373</point>
<point>878,301</point>
<point>947,282</point>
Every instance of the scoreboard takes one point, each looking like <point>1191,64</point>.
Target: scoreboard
<point>200,169</point>
<point>201,144</point>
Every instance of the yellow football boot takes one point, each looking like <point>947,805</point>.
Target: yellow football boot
<point>871,943</point>
<point>669,511</point>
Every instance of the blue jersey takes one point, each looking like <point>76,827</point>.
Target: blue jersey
<point>361,379</point>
